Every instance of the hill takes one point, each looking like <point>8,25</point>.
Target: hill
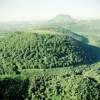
<point>34,50</point>
<point>61,19</point>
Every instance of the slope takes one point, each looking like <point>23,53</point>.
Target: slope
<point>34,50</point>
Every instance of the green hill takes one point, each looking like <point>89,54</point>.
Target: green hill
<point>34,50</point>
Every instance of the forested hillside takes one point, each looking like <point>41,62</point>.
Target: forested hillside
<point>50,61</point>
<point>34,50</point>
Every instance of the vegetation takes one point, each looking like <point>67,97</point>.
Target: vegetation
<point>50,62</point>
<point>71,83</point>
<point>33,50</point>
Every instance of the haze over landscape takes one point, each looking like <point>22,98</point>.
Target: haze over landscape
<point>49,50</point>
<point>18,10</point>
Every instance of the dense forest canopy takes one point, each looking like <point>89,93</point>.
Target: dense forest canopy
<point>34,50</point>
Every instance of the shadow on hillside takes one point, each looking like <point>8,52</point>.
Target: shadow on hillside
<point>96,52</point>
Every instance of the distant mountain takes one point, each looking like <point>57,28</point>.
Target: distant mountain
<point>61,20</point>
<point>66,21</point>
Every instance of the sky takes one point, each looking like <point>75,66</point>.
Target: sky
<point>20,10</point>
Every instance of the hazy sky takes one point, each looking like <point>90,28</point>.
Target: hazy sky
<point>44,9</point>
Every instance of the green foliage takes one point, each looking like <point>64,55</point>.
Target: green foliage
<point>32,50</point>
<point>73,87</point>
<point>71,83</point>
<point>79,88</point>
